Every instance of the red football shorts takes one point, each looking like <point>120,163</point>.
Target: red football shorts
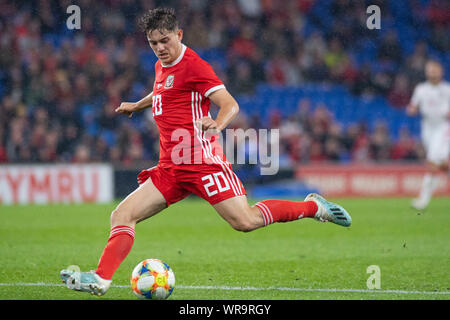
<point>212,182</point>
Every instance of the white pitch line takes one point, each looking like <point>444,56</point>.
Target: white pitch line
<point>42,284</point>
<point>313,290</point>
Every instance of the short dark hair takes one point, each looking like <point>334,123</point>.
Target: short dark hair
<point>159,19</point>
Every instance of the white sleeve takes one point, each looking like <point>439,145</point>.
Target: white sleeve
<point>448,96</point>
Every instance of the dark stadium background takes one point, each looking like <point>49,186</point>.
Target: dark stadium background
<point>336,90</point>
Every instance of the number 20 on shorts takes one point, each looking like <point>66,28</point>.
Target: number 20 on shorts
<point>216,182</point>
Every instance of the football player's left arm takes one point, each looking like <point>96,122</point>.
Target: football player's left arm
<point>228,109</point>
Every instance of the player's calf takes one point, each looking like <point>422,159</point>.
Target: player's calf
<point>314,206</point>
<point>247,223</point>
<point>273,210</point>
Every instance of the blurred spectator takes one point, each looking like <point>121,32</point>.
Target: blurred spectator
<point>82,154</point>
<point>244,44</point>
<point>415,63</point>
<point>439,37</point>
<point>250,8</point>
<point>380,145</point>
<point>405,148</point>
<point>242,78</point>
<point>358,138</point>
<point>400,94</point>
<point>335,57</point>
<point>390,49</point>
<point>363,84</point>
<point>438,12</point>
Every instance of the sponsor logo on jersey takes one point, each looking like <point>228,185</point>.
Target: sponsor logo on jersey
<point>169,81</point>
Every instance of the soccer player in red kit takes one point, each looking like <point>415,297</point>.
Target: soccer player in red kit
<point>191,158</point>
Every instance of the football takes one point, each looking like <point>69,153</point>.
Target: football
<point>152,279</point>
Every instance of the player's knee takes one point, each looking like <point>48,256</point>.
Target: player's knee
<point>120,217</point>
<point>115,218</point>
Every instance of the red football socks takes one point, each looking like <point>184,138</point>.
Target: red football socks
<point>284,210</point>
<point>119,245</point>
<point>122,237</point>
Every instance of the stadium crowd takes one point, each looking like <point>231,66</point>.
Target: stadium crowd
<point>59,87</point>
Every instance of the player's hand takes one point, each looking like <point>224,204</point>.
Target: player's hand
<point>127,108</point>
<point>412,110</point>
<point>207,124</point>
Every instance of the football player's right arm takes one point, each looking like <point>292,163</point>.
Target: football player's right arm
<point>129,107</point>
<point>413,108</point>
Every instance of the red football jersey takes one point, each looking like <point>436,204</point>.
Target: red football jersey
<point>180,98</point>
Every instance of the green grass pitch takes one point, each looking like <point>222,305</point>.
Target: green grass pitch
<point>304,259</point>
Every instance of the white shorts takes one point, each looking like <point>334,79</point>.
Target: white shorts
<point>436,140</point>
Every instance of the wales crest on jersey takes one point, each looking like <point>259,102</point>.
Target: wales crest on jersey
<point>169,81</point>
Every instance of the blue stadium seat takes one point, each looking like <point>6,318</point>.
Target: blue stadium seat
<point>346,108</point>
<point>285,190</point>
<point>109,136</point>
<point>147,60</point>
<point>214,56</point>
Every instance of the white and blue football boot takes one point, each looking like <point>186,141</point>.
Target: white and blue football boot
<point>329,212</point>
<point>85,281</point>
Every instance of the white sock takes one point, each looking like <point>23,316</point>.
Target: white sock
<point>429,184</point>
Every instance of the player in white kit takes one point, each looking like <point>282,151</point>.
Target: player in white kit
<point>432,100</point>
